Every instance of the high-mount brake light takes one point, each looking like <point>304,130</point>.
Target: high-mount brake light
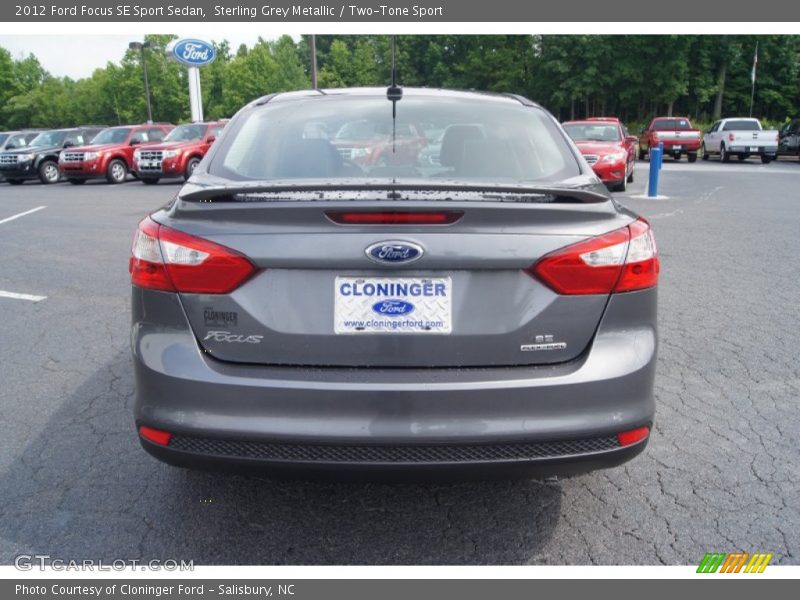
<point>169,260</point>
<point>623,260</point>
<point>394,218</point>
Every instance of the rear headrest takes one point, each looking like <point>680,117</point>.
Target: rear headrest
<point>490,158</point>
<point>308,158</point>
<point>453,140</point>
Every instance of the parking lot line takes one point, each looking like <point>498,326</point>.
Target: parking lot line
<point>22,214</point>
<point>16,296</point>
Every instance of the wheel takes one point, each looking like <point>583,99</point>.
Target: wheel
<point>630,175</point>
<point>705,152</point>
<point>149,180</point>
<point>48,172</point>
<point>116,172</point>
<point>641,154</point>
<point>622,185</point>
<point>723,154</point>
<point>15,181</point>
<point>692,157</point>
<point>191,166</point>
<point>76,181</point>
<point>766,159</point>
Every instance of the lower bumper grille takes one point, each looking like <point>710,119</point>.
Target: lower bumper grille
<point>416,454</point>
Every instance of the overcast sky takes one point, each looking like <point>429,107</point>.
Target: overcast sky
<point>79,56</point>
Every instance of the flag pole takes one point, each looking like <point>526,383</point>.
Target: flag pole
<point>753,80</point>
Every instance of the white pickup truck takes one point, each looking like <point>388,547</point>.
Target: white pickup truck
<point>742,138</point>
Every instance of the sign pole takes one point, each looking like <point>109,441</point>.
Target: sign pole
<point>195,95</point>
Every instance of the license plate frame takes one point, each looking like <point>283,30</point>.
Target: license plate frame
<point>375,305</point>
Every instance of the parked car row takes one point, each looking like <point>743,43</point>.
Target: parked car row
<point>611,151</point>
<point>148,151</point>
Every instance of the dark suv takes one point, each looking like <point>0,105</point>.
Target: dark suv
<point>14,140</point>
<point>40,158</point>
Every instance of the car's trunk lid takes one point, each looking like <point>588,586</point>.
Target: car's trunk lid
<point>303,307</point>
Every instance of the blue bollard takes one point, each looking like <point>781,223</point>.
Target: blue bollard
<point>655,169</point>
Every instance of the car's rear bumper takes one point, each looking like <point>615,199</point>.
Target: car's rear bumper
<point>555,419</point>
<point>680,147</point>
<point>744,149</point>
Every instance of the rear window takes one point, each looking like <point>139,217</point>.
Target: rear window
<point>741,125</point>
<point>671,124</point>
<point>443,138</point>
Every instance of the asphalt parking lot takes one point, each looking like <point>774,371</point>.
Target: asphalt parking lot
<point>722,472</point>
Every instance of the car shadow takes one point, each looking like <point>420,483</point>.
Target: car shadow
<point>82,488</point>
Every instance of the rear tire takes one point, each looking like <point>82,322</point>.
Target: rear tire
<point>48,172</point>
<point>630,177</point>
<point>705,153</point>
<point>116,172</point>
<point>766,159</point>
<point>723,154</point>
<point>692,157</point>
<point>149,180</point>
<point>191,166</point>
<point>76,181</point>
<point>15,181</point>
<point>641,154</point>
<point>621,186</point>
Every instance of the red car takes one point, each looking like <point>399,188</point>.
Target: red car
<point>676,133</point>
<point>370,145</point>
<point>110,153</point>
<point>605,145</point>
<point>178,154</point>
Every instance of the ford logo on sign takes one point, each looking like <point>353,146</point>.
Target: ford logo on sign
<point>193,53</point>
<point>393,308</point>
<point>394,252</point>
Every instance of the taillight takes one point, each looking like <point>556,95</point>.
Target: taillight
<point>731,137</point>
<point>394,218</point>
<point>622,260</point>
<point>170,260</point>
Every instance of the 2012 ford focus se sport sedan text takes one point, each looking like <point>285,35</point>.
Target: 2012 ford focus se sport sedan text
<point>387,280</point>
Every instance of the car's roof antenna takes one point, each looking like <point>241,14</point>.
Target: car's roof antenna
<point>394,93</point>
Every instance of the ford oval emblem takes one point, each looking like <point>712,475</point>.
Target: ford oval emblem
<point>394,252</point>
<point>393,308</point>
<point>193,53</point>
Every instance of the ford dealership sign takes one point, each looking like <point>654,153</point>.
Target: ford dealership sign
<point>192,53</point>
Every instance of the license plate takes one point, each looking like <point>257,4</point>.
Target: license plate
<point>149,164</point>
<point>397,305</point>
<point>677,147</point>
<point>753,148</point>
